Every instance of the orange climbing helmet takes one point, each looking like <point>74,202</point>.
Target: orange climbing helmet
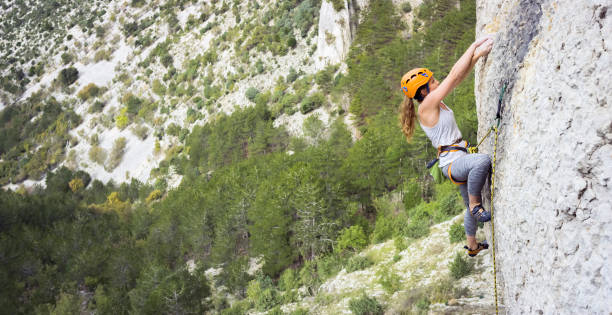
<point>414,79</point>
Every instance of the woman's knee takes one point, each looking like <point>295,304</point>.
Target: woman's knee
<point>483,161</point>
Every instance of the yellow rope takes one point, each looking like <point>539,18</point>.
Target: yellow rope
<point>492,218</point>
<point>475,149</point>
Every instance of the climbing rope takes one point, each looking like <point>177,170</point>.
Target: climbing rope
<point>496,129</point>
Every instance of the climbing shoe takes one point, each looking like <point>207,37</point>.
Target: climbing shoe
<point>481,214</point>
<point>474,252</point>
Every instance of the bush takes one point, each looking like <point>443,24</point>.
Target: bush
<point>300,311</point>
<point>97,155</point>
<point>460,267</point>
<point>291,42</point>
<point>338,4</point>
<point>68,75</point>
<point>383,229</point>
<point>76,184</point>
<point>312,102</point>
<point>154,195</point>
<point>400,244</point>
<point>102,54</point>
<point>251,93</point>
<point>97,107</point>
<point>158,87</point>
<point>456,233</point>
<point>365,305</point>
<point>292,76</point>
<point>122,119</point>
<point>259,66</point>
<point>90,90</point>
<point>94,139</point>
<point>116,154</point>
<point>352,238</point>
<point>142,132</point>
<point>406,7</point>
<point>167,60</point>
<point>67,58</point>
<point>288,280</point>
<point>358,263</point>
<point>263,298</point>
<point>389,280</point>
<point>132,102</point>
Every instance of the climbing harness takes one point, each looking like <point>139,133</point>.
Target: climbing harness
<point>433,165</point>
<point>496,129</point>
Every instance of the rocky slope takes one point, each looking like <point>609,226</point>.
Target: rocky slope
<point>552,195</point>
<point>108,52</point>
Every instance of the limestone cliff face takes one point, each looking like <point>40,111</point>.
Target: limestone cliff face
<point>336,31</point>
<point>553,194</point>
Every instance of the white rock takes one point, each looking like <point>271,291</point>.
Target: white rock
<point>553,199</point>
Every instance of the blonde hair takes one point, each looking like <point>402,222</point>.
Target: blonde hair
<point>407,117</point>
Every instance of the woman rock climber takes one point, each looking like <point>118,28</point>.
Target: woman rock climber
<point>469,171</point>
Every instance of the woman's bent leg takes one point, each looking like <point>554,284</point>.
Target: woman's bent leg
<point>474,170</point>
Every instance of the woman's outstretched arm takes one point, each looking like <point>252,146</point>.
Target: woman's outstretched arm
<point>460,70</point>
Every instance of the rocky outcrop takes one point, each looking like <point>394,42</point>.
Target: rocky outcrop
<point>553,195</point>
<point>336,31</point>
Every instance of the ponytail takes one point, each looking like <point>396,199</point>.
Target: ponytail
<point>407,117</point>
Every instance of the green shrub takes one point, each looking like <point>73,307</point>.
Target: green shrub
<point>460,267</point>
<point>308,275</point>
<point>406,7</point>
<point>422,303</point>
<point>397,257</point>
<point>97,155</point>
<point>444,289</point>
<point>389,280</point>
<point>264,298</point>
<point>456,233</point>
<point>94,139</point>
<point>102,54</point>
<point>167,60</point>
<point>251,93</point>
<point>417,228</point>
<point>158,87</point>
<point>400,244</point>
<point>383,229</point>
<point>292,76</point>
<point>259,66</point>
<point>365,305</point>
<point>122,120</point>
<point>116,154</point>
<point>358,262</point>
<point>67,58</point>
<point>300,311</point>
<point>68,75</point>
<point>352,238</point>
<point>141,131</point>
<point>338,4</point>
<point>239,308</point>
<point>312,102</point>
<point>291,42</point>
<point>288,280</point>
<point>328,266</point>
<point>277,310</point>
<point>412,194</point>
<point>97,107</point>
<point>132,102</point>
<point>88,91</point>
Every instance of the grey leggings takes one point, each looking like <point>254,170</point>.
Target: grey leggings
<point>473,168</point>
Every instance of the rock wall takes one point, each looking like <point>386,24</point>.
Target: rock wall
<point>553,195</point>
<point>336,31</point>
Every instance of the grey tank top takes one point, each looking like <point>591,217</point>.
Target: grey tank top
<point>445,132</point>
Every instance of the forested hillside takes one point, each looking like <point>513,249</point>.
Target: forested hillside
<point>252,194</point>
